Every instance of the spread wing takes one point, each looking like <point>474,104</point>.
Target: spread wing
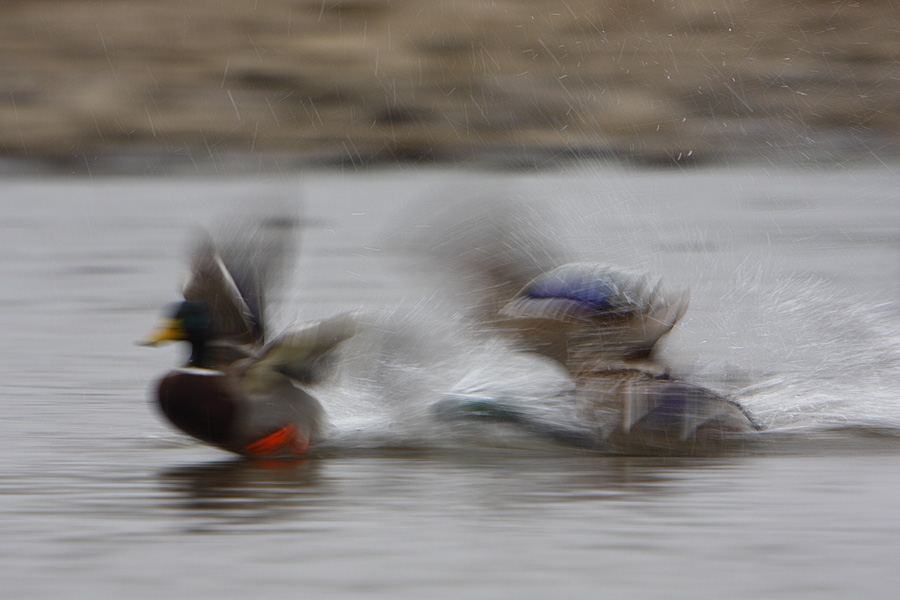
<point>584,313</point>
<point>304,354</point>
<point>211,283</point>
<point>517,281</point>
<point>488,248</point>
<point>233,271</point>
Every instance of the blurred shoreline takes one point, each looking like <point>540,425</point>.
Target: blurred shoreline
<point>210,86</point>
<point>243,164</point>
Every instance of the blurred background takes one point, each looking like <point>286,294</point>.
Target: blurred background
<point>140,85</point>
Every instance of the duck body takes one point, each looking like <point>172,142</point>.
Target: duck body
<point>213,406</point>
<point>635,411</point>
<point>603,325</point>
<point>238,391</point>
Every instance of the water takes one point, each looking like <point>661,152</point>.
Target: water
<point>796,309</point>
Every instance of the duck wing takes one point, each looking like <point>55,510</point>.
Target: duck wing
<point>233,271</point>
<point>212,284</point>
<point>583,313</point>
<point>305,354</point>
<point>518,280</point>
<point>490,246</point>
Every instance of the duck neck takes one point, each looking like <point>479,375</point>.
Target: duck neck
<point>199,355</point>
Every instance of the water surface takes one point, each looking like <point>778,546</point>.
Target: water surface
<point>795,277</point>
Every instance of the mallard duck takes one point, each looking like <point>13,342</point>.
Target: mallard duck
<point>600,323</point>
<point>603,324</point>
<point>237,390</point>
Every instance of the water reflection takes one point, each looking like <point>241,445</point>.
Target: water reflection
<point>253,491</point>
<point>242,491</point>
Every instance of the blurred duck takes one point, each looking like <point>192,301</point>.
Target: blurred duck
<point>601,324</point>
<point>239,391</point>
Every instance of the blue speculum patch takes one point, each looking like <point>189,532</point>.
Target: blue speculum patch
<point>598,291</point>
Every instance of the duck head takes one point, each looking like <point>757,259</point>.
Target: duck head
<point>190,322</point>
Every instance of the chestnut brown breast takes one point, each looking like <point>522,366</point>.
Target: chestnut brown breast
<point>201,405</point>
